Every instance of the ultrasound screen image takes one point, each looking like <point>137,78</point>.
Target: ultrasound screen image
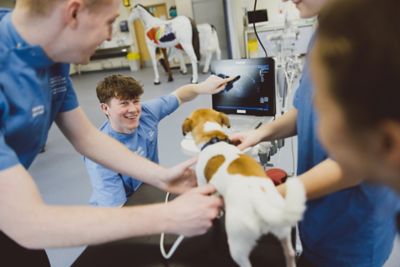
<point>253,93</point>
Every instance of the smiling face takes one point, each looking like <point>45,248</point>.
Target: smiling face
<point>119,97</point>
<point>124,115</point>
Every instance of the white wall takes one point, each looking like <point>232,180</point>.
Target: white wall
<point>184,8</point>
<point>236,13</point>
<point>273,7</point>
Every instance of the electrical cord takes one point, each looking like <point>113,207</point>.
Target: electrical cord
<point>176,243</point>
<point>255,31</point>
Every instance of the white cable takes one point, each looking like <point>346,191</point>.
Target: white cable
<point>176,243</point>
<point>293,158</point>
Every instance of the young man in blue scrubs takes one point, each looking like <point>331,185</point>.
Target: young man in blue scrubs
<point>346,222</point>
<point>135,125</point>
<point>37,38</point>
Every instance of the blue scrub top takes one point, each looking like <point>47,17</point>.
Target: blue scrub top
<point>354,227</point>
<point>33,90</point>
<point>112,189</point>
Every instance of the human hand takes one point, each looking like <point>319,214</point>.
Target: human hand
<point>193,212</point>
<point>180,178</point>
<point>245,139</point>
<point>213,84</point>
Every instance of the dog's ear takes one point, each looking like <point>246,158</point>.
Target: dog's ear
<point>187,126</point>
<point>225,120</point>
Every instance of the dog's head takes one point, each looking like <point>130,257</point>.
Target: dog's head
<point>205,124</point>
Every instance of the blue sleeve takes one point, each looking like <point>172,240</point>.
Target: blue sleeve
<point>8,157</point>
<point>305,74</point>
<point>70,100</point>
<point>4,11</point>
<point>107,185</point>
<point>303,84</point>
<point>162,106</point>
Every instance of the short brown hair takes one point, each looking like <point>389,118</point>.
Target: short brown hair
<point>43,7</point>
<point>359,45</point>
<point>119,86</point>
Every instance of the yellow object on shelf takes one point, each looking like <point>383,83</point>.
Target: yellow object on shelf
<point>133,56</point>
<point>127,3</point>
<point>252,47</point>
<point>134,60</point>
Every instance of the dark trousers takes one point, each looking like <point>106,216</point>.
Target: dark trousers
<point>14,255</point>
<point>303,262</point>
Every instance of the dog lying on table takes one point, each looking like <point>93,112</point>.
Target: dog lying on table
<point>253,205</point>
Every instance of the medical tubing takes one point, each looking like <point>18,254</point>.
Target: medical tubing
<point>255,31</point>
<point>176,243</point>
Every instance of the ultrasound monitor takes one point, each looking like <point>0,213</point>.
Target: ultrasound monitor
<point>253,93</point>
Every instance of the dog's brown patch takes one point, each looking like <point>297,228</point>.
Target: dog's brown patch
<point>187,126</point>
<point>195,124</point>
<point>247,166</point>
<point>212,166</point>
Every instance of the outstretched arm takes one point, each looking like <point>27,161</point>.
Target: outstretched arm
<point>110,153</point>
<point>212,85</point>
<point>33,224</point>
<point>323,179</point>
<point>283,127</point>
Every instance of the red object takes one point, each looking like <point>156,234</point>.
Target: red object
<point>152,34</point>
<point>278,176</point>
<point>179,46</point>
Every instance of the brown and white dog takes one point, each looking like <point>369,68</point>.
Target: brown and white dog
<point>253,206</point>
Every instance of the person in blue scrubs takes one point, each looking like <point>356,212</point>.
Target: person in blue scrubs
<point>363,104</point>
<point>346,222</point>
<point>37,39</point>
<point>135,125</point>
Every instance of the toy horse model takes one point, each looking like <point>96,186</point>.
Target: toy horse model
<point>180,32</point>
<point>209,44</point>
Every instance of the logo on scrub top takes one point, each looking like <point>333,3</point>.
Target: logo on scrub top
<point>58,84</point>
<point>38,110</point>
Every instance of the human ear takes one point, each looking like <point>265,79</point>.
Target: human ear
<point>104,107</point>
<point>71,12</point>
<point>389,132</point>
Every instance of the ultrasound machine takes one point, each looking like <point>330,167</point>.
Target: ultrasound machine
<point>249,100</point>
<point>250,97</point>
